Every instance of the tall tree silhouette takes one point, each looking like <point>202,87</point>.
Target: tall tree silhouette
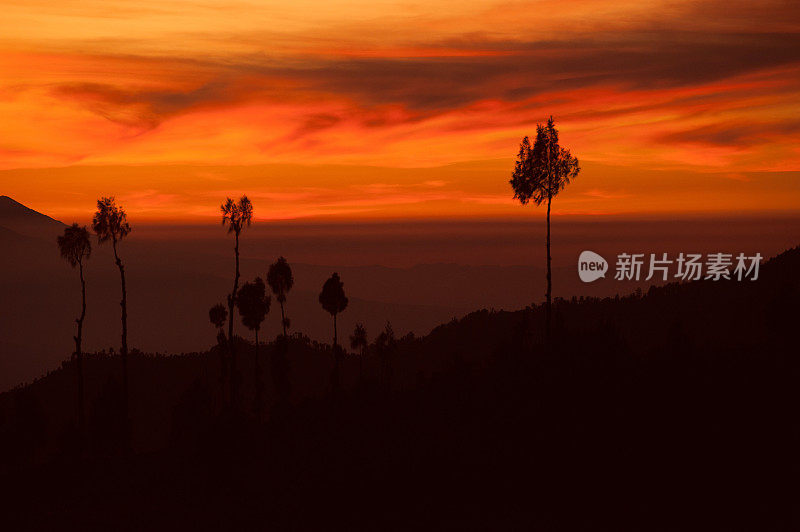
<point>253,304</point>
<point>110,223</point>
<point>358,342</point>
<point>280,280</point>
<point>217,316</point>
<point>75,248</point>
<point>540,173</point>
<point>236,215</point>
<point>334,301</point>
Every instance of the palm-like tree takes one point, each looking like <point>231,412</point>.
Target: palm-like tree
<point>540,173</point>
<point>110,223</point>
<point>75,248</point>
<point>334,301</point>
<point>217,316</point>
<point>236,215</point>
<point>253,304</point>
<point>280,281</point>
<point>358,342</point>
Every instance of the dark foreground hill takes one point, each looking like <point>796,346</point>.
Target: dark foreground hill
<point>670,410</point>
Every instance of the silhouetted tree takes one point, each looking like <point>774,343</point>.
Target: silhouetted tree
<point>237,215</point>
<point>540,173</point>
<point>253,304</point>
<point>334,301</point>
<point>358,342</point>
<point>385,344</point>
<point>217,315</point>
<point>111,223</point>
<point>76,247</point>
<point>280,280</point>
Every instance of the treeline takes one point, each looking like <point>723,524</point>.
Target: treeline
<point>250,300</point>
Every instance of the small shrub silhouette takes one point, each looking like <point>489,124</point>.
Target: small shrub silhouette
<point>359,343</point>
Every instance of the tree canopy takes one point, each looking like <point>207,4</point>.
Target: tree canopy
<point>280,278</point>
<point>253,303</point>
<point>110,221</point>
<point>237,214</point>
<point>543,170</point>
<point>217,315</point>
<point>74,244</point>
<point>332,297</point>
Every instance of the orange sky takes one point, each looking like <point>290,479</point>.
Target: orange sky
<point>390,109</point>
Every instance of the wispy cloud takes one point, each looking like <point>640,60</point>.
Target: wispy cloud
<point>693,86</point>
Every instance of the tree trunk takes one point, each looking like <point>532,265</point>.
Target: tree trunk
<point>549,293</point>
<point>124,351</point>
<point>283,319</point>
<point>79,360</point>
<point>335,357</point>
<point>231,341</point>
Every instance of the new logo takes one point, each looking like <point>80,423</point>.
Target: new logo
<point>591,266</point>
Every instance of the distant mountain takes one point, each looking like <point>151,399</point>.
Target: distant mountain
<point>20,219</point>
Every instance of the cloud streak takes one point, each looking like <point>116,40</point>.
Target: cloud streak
<point>429,86</point>
<point>693,86</point>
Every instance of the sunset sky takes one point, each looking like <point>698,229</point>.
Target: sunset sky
<point>396,109</point>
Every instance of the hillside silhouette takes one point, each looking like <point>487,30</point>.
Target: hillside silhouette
<point>663,410</point>
<point>175,274</point>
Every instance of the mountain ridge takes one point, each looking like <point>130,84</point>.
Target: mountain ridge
<point>25,221</point>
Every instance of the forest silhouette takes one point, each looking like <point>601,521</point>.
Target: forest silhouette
<point>668,409</point>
